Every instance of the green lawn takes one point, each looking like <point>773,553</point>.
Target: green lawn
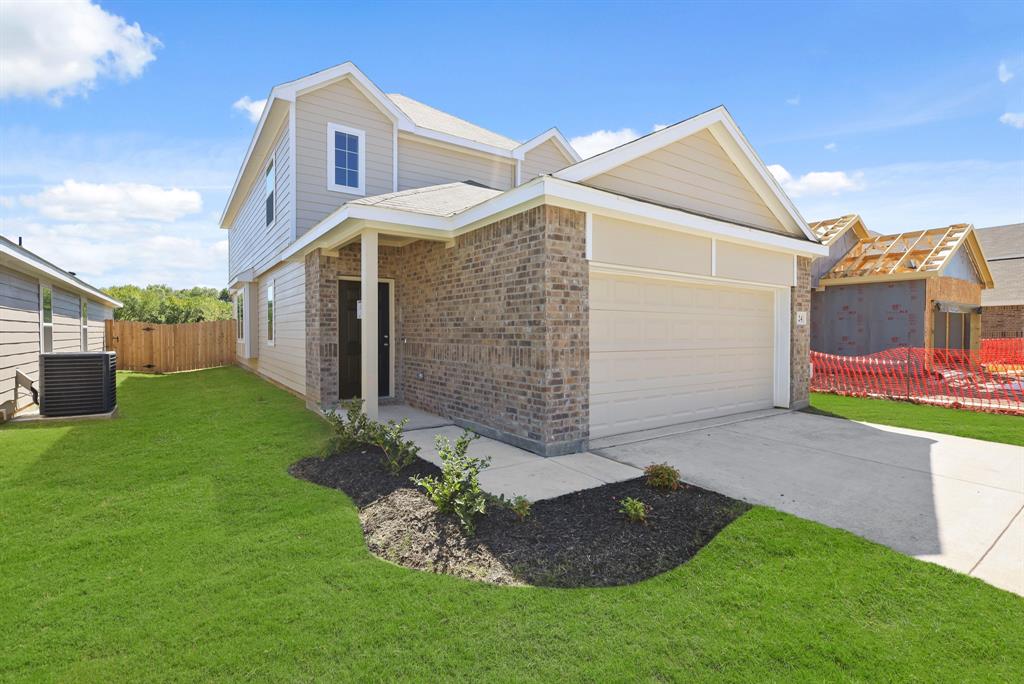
<point>988,426</point>
<point>171,544</point>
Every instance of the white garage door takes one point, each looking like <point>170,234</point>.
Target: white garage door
<point>664,352</point>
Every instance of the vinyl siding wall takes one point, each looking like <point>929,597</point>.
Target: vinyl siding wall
<point>546,158</point>
<point>67,322</point>
<point>694,174</point>
<point>340,103</point>
<point>19,331</point>
<point>251,242</point>
<point>421,164</point>
<point>285,361</point>
<point>98,313</point>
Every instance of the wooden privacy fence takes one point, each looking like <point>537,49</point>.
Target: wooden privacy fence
<point>170,347</point>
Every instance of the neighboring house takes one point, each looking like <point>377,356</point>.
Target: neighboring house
<point>43,309</point>
<point>875,292</point>
<point>1002,307</point>
<point>384,249</point>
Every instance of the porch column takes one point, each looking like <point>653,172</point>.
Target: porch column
<point>368,329</point>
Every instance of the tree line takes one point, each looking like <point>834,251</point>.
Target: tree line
<point>164,304</point>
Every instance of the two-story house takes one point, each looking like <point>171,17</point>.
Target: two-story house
<point>383,249</point>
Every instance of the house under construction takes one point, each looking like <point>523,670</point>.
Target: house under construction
<point>916,289</point>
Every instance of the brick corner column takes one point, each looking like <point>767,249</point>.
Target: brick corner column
<point>800,336</point>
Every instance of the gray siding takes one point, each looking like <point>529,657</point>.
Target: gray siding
<point>67,322</point>
<point>251,242</point>
<point>19,330</point>
<point>421,164</point>
<point>339,103</point>
<point>98,313</point>
<point>696,174</point>
<point>545,158</point>
<point>852,320</point>
<point>285,360</point>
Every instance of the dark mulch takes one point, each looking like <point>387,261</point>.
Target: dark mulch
<point>576,540</point>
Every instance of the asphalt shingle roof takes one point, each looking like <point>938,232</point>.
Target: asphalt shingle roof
<point>447,199</point>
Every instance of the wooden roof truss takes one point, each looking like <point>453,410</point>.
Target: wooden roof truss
<point>919,252</point>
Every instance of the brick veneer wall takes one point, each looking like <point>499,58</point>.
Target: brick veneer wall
<point>1002,321</point>
<point>492,332</point>
<point>800,336</point>
<point>495,329</point>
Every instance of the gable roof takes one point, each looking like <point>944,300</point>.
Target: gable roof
<point>830,230</point>
<point>434,119</point>
<point>407,114</point>
<point>1004,250</point>
<point>12,254</point>
<point>905,256</point>
<point>723,128</point>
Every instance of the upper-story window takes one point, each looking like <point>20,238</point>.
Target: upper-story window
<point>268,190</point>
<point>346,159</point>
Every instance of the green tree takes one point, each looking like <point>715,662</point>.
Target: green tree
<point>164,304</point>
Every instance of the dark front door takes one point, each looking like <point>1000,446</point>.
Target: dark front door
<point>350,341</point>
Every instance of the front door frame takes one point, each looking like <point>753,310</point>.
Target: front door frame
<point>391,331</point>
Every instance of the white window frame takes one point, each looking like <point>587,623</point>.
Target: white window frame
<point>83,305</point>
<point>271,312</point>
<point>42,319</point>
<point>271,164</point>
<point>333,128</point>
<point>240,316</point>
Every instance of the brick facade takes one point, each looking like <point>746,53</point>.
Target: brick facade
<point>492,332</point>
<point>800,336</point>
<point>1002,321</point>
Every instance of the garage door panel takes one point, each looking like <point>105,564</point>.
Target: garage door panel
<point>664,352</point>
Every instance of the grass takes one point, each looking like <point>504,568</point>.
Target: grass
<point>991,427</point>
<point>171,544</point>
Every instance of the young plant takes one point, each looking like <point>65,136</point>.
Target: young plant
<point>634,509</point>
<point>521,506</point>
<point>398,453</point>
<point>350,430</point>
<point>662,476</point>
<point>457,491</point>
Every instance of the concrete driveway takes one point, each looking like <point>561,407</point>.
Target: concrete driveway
<point>949,500</point>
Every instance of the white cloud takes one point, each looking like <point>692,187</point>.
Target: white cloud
<point>77,201</point>
<point>793,101</point>
<point>831,146</point>
<point>7,202</point>
<point>816,182</point>
<point>57,51</point>
<point>602,141</point>
<point>1004,73</point>
<point>252,108</point>
<point>1015,119</point>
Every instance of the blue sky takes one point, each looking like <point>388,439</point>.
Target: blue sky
<point>119,139</point>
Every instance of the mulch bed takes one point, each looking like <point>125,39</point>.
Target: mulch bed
<point>575,540</point>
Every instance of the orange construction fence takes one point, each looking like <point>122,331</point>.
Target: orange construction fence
<point>988,379</point>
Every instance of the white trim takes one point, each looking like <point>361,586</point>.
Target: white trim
<point>796,270</point>
<point>519,172</point>
<point>360,189</point>
<point>45,271</point>
<point>728,134</point>
<point>781,347</point>
<point>271,163</point>
<point>272,322</point>
<point>714,256</point>
<point>554,135</point>
<point>240,317</point>
<point>550,190</point>
<point>42,318</point>
<point>394,158</point>
<point>589,236</point>
<point>293,176</point>
<point>83,311</point>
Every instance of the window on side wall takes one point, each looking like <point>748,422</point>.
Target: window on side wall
<point>346,159</point>
<point>240,315</point>
<point>269,183</point>
<point>46,316</point>
<point>270,314</point>
<point>85,325</point>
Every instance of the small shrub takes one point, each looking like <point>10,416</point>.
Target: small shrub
<point>521,506</point>
<point>662,476</point>
<point>350,430</point>
<point>457,491</point>
<point>634,509</point>
<point>398,453</point>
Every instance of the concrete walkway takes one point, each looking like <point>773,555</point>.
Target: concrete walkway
<point>950,500</point>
